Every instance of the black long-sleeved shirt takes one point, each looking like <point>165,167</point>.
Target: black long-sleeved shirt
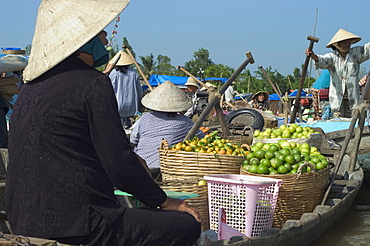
<point>67,151</point>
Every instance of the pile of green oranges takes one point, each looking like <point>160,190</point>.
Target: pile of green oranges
<point>284,131</point>
<point>283,157</point>
<point>213,144</point>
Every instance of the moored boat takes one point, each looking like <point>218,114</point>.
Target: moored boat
<point>311,225</point>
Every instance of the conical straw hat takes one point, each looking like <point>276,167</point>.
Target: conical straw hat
<point>343,35</point>
<point>125,59</point>
<point>261,92</point>
<point>62,27</point>
<point>192,81</point>
<point>167,97</point>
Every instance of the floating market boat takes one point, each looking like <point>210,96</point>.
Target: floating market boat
<point>311,225</point>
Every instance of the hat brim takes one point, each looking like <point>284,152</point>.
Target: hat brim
<point>62,28</point>
<point>167,97</point>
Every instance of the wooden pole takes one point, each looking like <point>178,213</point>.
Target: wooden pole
<point>217,97</point>
<point>275,89</point>
<point>190,75</point>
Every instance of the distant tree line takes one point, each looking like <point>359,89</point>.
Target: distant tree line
<point>202,66</point>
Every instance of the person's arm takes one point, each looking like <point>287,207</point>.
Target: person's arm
<point>112,146</point>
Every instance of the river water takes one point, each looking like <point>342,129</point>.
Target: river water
<point>354,227</point>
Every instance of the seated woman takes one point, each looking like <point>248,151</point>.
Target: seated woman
<point>260,101</point>
<point>164,122</point>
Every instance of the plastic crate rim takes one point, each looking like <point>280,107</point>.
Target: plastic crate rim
<point>242,179</point>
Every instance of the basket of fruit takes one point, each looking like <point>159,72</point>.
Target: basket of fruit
<point>303,169</point>
<point>196,158</point>
<point>197,186</point>
<point>293,132</point>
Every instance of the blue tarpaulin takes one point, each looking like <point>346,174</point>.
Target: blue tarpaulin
<point>323,81</point>
<point>156,79</point>
<point>274,97</point>
<point>294,93</point>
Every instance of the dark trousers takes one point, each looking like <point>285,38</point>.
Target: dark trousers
<point>139,227</point>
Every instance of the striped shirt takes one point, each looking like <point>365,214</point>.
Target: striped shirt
<point>344,73</point>
<point>155,126</point>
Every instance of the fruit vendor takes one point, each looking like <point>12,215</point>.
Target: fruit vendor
<point>68,150</point>
<point>260,101</point>
<point>344,67</point>
<point>164,122</point>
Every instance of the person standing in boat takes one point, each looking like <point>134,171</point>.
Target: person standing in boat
<point>68,150</point>
<point>127,87</point>
<point>344,67</point>
<point>164,122</point>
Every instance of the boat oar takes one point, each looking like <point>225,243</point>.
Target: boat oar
<point>357,115</point>
<point>275,89</point>
<point>137,66</point>
<point>216,98</point>
<point>301,82</point>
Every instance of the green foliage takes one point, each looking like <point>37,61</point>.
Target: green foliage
<point>218,71</point>
<point>164,66</point>
<point>148,65</point>
<point>201,61</point>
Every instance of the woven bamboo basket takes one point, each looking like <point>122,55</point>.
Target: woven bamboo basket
<point>177,165</point>
<point>300,193</point>
<point>200,203</point>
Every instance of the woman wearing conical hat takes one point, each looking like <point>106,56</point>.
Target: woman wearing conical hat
<point>164,122</point>
<point>68,150</point>
<point>344,66</point>
<point>126,86</point>
<point>260,101</point>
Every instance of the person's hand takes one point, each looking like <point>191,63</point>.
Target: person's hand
<point>311,54</point>
<point>363,81</point>
<point>173,204</point>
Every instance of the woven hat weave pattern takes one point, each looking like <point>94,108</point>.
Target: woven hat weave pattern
<point>167,97</point>
<point>62,27</point>
<point>342,35</point>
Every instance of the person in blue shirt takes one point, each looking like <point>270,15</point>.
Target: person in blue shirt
<point>127,88</point>
<point>164,122</point>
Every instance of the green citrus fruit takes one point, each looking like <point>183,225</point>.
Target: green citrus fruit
<point>273,148</point>
<point>282,169</point>
<point>288,167</point>
<point>275,162</point>
<point>253,169</point>
<point>269,154</point>
<point>260,154</point>
<point>262,169</point>
<point>265,162</point>
<point>254,161</point>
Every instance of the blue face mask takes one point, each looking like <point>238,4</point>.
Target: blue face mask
<point>96,48</point>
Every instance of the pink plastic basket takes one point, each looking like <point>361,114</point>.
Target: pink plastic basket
<point>249,201</point>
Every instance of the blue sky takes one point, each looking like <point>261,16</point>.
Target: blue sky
<point>274,31</point>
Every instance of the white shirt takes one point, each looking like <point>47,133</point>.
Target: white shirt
<point>344,72</point>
